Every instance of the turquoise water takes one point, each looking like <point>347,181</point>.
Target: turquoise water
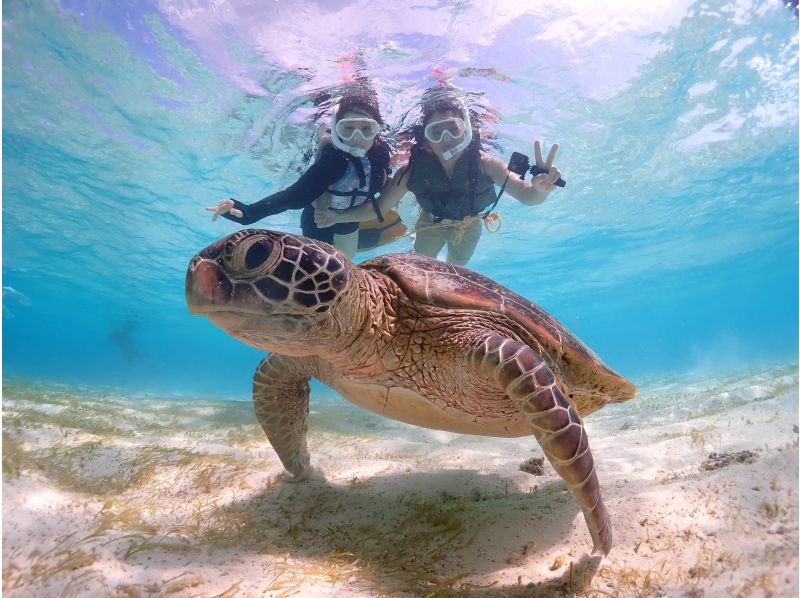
<point>673,249</point>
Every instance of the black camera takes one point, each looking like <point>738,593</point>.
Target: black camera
<point>521,164</point>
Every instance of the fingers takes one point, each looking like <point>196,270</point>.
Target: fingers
<point>215,214</point>
<point>543,182</point>
<point>551,156</point>
<point>555,174</point>
<point>323,218</point>
<point>537,152</point>
<point>223,207</point>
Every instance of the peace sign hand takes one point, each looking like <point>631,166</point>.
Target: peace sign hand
<point>545,181</point>
<point>224,207</point>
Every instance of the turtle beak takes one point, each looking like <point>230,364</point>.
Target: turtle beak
<point>207,287</point>
<point>619,388</point>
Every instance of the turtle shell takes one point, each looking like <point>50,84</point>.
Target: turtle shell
<point>581,373</point>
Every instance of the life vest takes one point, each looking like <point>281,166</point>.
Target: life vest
<point>452,198</point>
<point>353,188</point>
<point>362,179</point>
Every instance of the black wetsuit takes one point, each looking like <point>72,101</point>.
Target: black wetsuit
<point>327,170</point>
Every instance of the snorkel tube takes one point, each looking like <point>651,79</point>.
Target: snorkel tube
<point>456,150</point>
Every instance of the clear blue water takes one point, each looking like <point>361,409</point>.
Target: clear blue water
<point>673,249</point>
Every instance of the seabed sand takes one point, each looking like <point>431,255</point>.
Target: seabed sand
<point>114,496</point>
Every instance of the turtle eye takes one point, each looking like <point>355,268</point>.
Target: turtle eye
<point>256,254</point>
<point>251,257</point>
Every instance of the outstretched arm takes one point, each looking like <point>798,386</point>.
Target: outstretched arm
<point>314,181</point>
<point>531,192</point>
<point>392,193</point>
<point>236,211</point>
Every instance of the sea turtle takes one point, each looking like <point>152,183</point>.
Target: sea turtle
<point>407,337</point>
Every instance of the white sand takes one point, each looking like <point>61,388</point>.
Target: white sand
<point>110,497</point>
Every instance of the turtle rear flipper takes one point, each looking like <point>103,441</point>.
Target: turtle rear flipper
<point>524,376</point>
<point>280,398</point>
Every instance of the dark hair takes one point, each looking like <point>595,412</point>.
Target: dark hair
<point>441,98</point>
<point>361,96</point>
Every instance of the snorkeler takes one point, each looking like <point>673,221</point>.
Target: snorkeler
<point>349,171</point>
<point>454,181</point>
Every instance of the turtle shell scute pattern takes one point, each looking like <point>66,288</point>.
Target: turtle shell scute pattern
<point>446,285</point>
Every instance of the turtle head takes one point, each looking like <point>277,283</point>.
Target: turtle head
<point>271,290</point>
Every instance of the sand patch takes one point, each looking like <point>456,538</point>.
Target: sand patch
<point>187,498</point>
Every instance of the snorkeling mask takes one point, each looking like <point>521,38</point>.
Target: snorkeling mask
<point>349,129</point>
<point>451,128</point>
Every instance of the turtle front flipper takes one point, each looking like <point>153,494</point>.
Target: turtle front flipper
<point>280,398</point>
<point>525,377</point>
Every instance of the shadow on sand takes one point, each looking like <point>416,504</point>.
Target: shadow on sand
<point>421,533</point>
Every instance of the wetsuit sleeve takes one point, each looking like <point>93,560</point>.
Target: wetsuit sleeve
<point>311,184</point>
